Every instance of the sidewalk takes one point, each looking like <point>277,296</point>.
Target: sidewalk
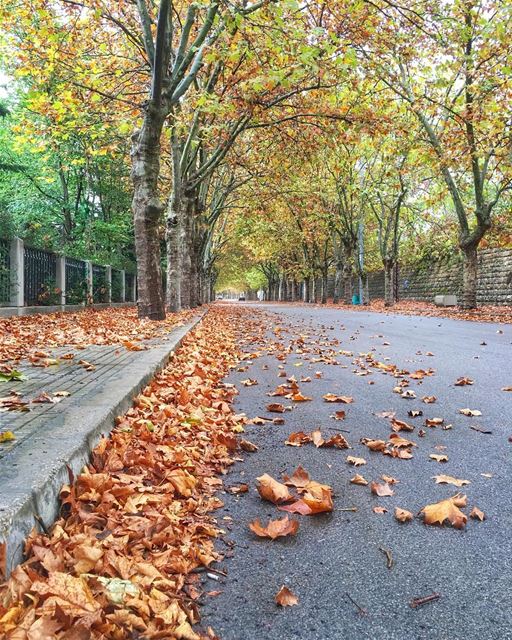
<point>80,403</point>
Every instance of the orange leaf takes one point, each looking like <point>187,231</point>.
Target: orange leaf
<point>272,490</point>
<point>402,515</point>
<point>448,509</point>
<point>275,528</point>
<point>477,514</point>
<point>286,598</point>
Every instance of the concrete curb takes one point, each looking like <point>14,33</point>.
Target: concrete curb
<point>32,475</point>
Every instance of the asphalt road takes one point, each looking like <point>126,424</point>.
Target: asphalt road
<point>337,555</point>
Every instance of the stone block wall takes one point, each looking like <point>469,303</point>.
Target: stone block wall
<point>445,277</point>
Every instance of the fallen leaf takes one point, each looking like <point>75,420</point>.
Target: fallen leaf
<point>472,413</point>
<point>462,382</point>
<point>248,446</point>
<point>477,514</point>
<point>357,462</point>
<point>374,445</point>
<point>298,438</point>
<point>275,407</point>
<point>381,489</point>
<point>448,509</point>
<point>299,478</point>
<point>358,479</point>
<point>397,441</point>
<point>428,399</point>
<point>7,436</point>
<point>339,415</point>
<point>439,457</point>
<point>408,394</point>
<point>238,488</point>
<point>389,479</point>
<point>380,510</point>
<point>286,598</point>
<point>400,425</point>
<point>275,528</point>
<point>249,382</point>
<point>337,441</point>
<point>433,422</point>
<point>331,397</point>
<point>442,479</point>
<point>415,413</point>
<point>272,490</point>
<point>402,515</point>
<point>506,388</point>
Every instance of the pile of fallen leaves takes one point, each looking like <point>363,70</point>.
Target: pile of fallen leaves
<point>485,313</point>
<point>125,559</point>
<point>25,335</point>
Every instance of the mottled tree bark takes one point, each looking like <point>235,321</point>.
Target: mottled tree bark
<point>147,212</point>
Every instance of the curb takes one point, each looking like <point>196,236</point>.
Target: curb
<point>33,474</point>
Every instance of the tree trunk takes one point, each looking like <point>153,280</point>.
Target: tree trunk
<point>469,276</point>
<point>313,290</point>
<point>173,259</point>
<point>388,284</point>
<point>338,280</point>
<point>347,283</point>
<point>186,252</point>
<point>293,290</point>
<point>324,287</point>
<point>305,290</point>
<point>147,211</point>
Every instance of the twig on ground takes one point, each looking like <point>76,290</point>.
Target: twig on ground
<point>419,602</point>
<point>362,612</point>
<point>389,558</point>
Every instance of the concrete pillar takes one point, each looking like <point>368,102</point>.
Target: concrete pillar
<point>108,278</point>
<point>60,278</point>
<point>123,285</point>
<point>88,278</point>
<point>17,273</point>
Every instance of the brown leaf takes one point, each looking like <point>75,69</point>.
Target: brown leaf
<point>397,441</point>
<point>381,489</point>
<point>414,413</point>
<point>298,438</point>
<point>238,488</point>
<point>462,382</point>
<point>339,415</point>
<point>448,509</point>
<point>472,413</point>
<point>248,446</point>
<point>275,407</point>
<point>477,514</point>
<point>317,439</point>
<point>337,441</point>
<point>400,425</point>
<point>249,382</point>
<point>374,445</point>
<point>317,498</point>
<point>389,479</point>
<point>299,478</point>
<point>358,479</point>
<point>439,457</point>
<point>433,422</point>
<point>357,462</point>
<point>379,510</point>
<point>402,515</point>
<point>332,397</point>
<point>442,479</point>
<point>275,528</point>
<point>286,598</point>
<point>428,399</point>
<point>298,397</point>
<point>272,490</point>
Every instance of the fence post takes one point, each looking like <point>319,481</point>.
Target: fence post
<point>17,276</point>
<point>60,278</point>
<point>123,285</point>
<point>108,278</point>
<point>88,277</point>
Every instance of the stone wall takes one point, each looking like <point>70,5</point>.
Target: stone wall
<point>445,277</point>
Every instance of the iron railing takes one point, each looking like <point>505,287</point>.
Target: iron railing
<point>99,284</point>
<point>40,277</point>
<point>5,271</point>
<point>76,281</point>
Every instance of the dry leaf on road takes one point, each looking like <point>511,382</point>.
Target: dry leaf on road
<point>286,598</point>
<point>275,528</point>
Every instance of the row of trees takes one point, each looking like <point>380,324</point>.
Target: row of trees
<point>267,136</point>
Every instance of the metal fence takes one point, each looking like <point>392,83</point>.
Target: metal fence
<point>100,292</point>
<point>130,281</point>
<point>76,281</point>
<point>40,277</point>
<point>5,271</point>
<point>116,286</point>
